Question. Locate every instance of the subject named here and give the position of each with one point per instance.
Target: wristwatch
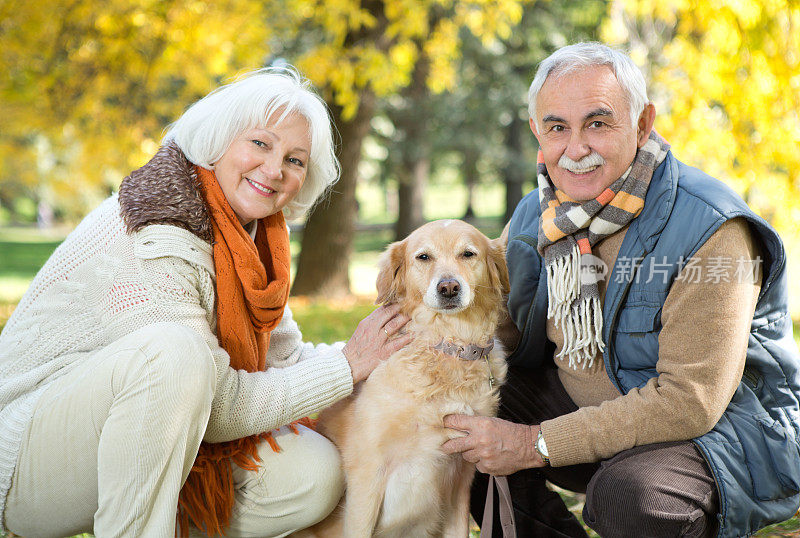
(541, 448)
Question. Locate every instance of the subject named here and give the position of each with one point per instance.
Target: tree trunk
(513, 174)
(322, 267)
(469, 169)
(410, 191)
(7, 202)
(416, 161)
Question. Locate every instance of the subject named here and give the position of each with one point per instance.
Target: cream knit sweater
(102, 284)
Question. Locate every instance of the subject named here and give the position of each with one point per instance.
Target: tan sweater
(702, 349)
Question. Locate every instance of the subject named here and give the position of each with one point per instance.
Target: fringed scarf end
(563, 283)
(582, 327)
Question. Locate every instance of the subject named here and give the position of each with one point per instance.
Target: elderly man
(654, 367)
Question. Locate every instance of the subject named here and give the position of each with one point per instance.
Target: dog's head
(445, 266)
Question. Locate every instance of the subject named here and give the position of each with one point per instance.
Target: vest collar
(658, 203)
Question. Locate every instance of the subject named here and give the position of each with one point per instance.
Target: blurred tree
(725, 78)
(480, 124)
(485, 118)
(412, 119)
(88, 86)
(543, 28)
(17, 175)
(358, 51)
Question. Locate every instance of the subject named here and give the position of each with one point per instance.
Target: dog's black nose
(448, 287)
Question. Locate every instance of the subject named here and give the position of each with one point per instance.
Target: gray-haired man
(653, 367)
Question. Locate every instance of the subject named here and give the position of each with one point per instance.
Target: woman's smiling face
(264, 168)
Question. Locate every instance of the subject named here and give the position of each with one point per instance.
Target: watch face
(541, 446)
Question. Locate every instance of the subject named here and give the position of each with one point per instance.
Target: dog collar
(472, 352)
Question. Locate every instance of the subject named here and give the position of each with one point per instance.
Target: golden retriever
(450, 280)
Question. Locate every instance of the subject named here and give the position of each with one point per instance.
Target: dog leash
(505, 507)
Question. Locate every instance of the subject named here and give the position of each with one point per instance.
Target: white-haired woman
(141, 370)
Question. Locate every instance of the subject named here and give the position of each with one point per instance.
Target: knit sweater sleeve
(245, 403)
(702, 351)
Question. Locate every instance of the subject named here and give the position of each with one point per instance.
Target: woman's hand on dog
(375, 339)
(494, 445)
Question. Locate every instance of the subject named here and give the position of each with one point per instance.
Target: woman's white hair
(206, 130)
(579, 55)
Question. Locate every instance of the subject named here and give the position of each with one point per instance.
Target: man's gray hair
(206, 130)
(572, 57)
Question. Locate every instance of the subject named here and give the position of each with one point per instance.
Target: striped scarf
(567, 232)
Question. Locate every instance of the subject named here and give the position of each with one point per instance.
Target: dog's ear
(498, 269)
(391, 275)
(503, 239)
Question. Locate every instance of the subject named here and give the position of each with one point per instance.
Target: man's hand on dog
(375, 339)
(494, 445)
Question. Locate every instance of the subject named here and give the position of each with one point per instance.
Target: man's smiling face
(584, 130)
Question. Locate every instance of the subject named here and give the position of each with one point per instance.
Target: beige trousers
(112, 441)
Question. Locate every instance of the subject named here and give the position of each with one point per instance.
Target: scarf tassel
(583, 332)
(208, 501)
(563, 283)
(580, 318)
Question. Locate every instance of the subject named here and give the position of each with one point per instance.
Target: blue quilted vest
(753, 450)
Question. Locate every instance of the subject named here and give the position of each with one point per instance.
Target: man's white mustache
(590, 161)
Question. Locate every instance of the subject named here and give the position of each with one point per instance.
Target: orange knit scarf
(252, 290)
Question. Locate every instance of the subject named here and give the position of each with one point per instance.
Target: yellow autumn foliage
(729, 88)
(359, 53)
(88, 86)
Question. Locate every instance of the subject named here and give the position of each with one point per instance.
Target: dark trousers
(658, 490)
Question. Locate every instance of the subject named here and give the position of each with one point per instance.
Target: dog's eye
(424, 257)
(468, 254)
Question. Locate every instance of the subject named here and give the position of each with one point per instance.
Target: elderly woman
(153, 350)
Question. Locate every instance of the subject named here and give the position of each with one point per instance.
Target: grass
(326, 321)
(23, 251)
